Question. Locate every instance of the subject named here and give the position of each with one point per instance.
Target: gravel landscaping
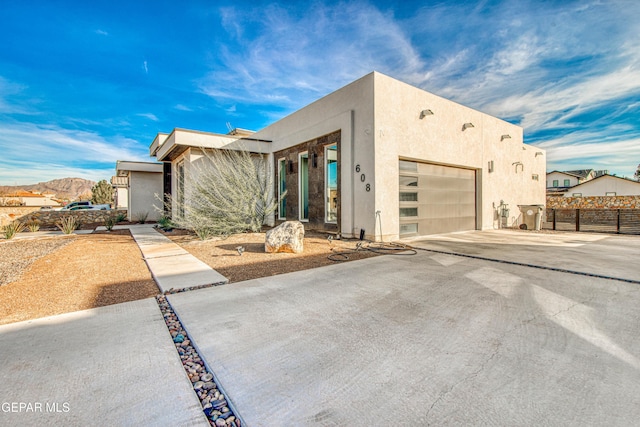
(214, 403)
(72, 273)
(16, 256)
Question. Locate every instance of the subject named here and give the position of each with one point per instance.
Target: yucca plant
(68, 224)
(121, 216)
(141, 217)
(33, 225)
(10, 230)
(110, 221)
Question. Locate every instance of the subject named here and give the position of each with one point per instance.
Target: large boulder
(287, 237)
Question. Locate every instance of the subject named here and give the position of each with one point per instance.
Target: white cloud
(57, 152)
(146, 67)
(149, 116)
(101, 32)
(292, 60)
(181, 107)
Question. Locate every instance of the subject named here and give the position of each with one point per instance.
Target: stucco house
(29, 198)
(382, 156)
(140, 184)
(605, 185)
(560, 181)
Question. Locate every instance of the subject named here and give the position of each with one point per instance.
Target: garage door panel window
(408, 181)
(438, 199)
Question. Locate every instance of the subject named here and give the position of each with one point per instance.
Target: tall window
(282, 187)
(331, 183)
(180, 187)
(303, 178)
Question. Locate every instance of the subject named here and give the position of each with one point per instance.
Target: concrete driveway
(432, 339)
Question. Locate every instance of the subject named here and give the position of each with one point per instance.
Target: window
(405, 212)
(408, 197)
(331, 183)
(409, 228)
(303, 185)
(567, 183)
(408, 166)
(180, 187)
(610, 193)
(555, 183)
(282, 187)
(408, 181)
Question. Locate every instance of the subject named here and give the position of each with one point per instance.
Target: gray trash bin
(531, 217)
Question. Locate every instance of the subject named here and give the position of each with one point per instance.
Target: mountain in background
(64, 188)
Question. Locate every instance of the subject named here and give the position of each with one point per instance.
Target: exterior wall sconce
(490, 166)
(467, 126)
(516, 164)
(505, 136)
(314, 160)
(425, 113)
(290, 166)
(539, 153)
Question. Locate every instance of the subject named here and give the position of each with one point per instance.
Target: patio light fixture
(425, 113)
(467, 126)
(505, 136)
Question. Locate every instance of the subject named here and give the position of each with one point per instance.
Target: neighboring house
(605, 185)
(28, 198)
(381, 156)
(144, 190)
(120, 186)
(559, 182)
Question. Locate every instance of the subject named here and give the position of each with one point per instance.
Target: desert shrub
(164, 222)
(110, 221)
(230, 191)
(33, 225)
(203, 233)
(121, 216)
(10, 230)
(141, 217)
(68, 224)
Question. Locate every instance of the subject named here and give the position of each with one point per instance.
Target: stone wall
(593, 202)
(316, 181)
(49, 218)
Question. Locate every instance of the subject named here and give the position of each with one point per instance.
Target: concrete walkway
(171, 266)
(110, 366)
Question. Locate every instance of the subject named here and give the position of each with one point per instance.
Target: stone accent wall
(316, 181)
(593, 202)
(9, 214)
(48, 219)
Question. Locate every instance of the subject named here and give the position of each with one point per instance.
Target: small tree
(637, 174)
(102, 193)
(229, 192)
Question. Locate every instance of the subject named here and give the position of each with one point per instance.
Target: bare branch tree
(224, 192)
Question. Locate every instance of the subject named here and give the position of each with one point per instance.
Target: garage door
(436, 199)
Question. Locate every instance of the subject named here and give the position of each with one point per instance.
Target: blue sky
(85, 83)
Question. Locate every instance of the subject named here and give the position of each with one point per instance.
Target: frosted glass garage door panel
(446, 197)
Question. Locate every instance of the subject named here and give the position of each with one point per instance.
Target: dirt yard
(222, 254)
(47, 276)
(88, 271)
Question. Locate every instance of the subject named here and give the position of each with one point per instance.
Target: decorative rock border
(214, 403)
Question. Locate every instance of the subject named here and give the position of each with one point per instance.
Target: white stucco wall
(122, 198)
(440, 138)
(606, 184)
(350, 110)
(143, 188)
